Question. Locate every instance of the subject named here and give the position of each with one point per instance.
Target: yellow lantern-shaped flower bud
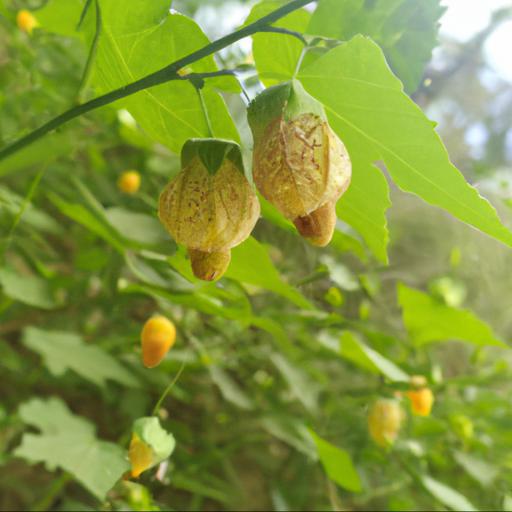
(299, 164)
(421, 397)
(129, 182)
(210, 206)
(384, 421)
(150, 445)
(26, 21)
(157, 337)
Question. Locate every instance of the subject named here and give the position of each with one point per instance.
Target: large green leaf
(405, 29)
(276, 55)
(429, 320)
(140, 37)
(28, 289)
(62, 351)
(337, 464)
(61, 16)
(68, 442)
(368, 109)
(364, 204)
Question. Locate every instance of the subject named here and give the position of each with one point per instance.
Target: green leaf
(68, 442)
(364, 204)
(83, 216)
(251, 264)
(481, 471)
(428, 320)
(276, 55)
(39, 220)
(301, 385)
(41, 152)
(30, 290)
(140, 37)
(63, 351)
(61, 16)
(446, 495)
(230, 390)
(337, 464)
(151, 432)
(369, 111)
(405, 29)
(292, 432)
(353, 349)
(138, 227)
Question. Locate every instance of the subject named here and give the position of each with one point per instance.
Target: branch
(161, 76)
(285, 31)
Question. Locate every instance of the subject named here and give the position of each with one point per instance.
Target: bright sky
(464, 18)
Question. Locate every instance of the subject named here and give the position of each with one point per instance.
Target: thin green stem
(84, 82)
(285, 31)
(205, 111)
(167, 390)
(24, 205)
(161, 76)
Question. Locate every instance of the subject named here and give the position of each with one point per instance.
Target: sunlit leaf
(429, 320)
(368, 109)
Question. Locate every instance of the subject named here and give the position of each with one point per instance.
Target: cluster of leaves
(283, 356)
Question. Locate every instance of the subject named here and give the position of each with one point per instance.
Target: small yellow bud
(129, 182)
(26, 21)
(157, 337)
(140, 455)
(421, 397)
(384, 422)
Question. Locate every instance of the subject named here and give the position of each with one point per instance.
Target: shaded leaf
(230, 390)
(337, 464)
(63, 351)
(68, 442)
(30, 290)
(446, 495)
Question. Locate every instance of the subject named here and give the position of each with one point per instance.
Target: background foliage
(284, 356)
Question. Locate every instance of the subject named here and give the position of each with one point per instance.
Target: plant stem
(167, 390)
(161, 76)
(205, 111)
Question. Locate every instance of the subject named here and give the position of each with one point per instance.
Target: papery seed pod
(26, 21)
(384, 421)
(129, 182)
(421, 397)
(299, 164)
(210, 206)
(157, 337)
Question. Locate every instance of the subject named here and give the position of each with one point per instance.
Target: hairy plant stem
(161, 76)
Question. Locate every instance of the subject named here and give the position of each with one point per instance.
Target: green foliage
(405, 30)
(361, 116)
(68, 442)
(169, 113)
